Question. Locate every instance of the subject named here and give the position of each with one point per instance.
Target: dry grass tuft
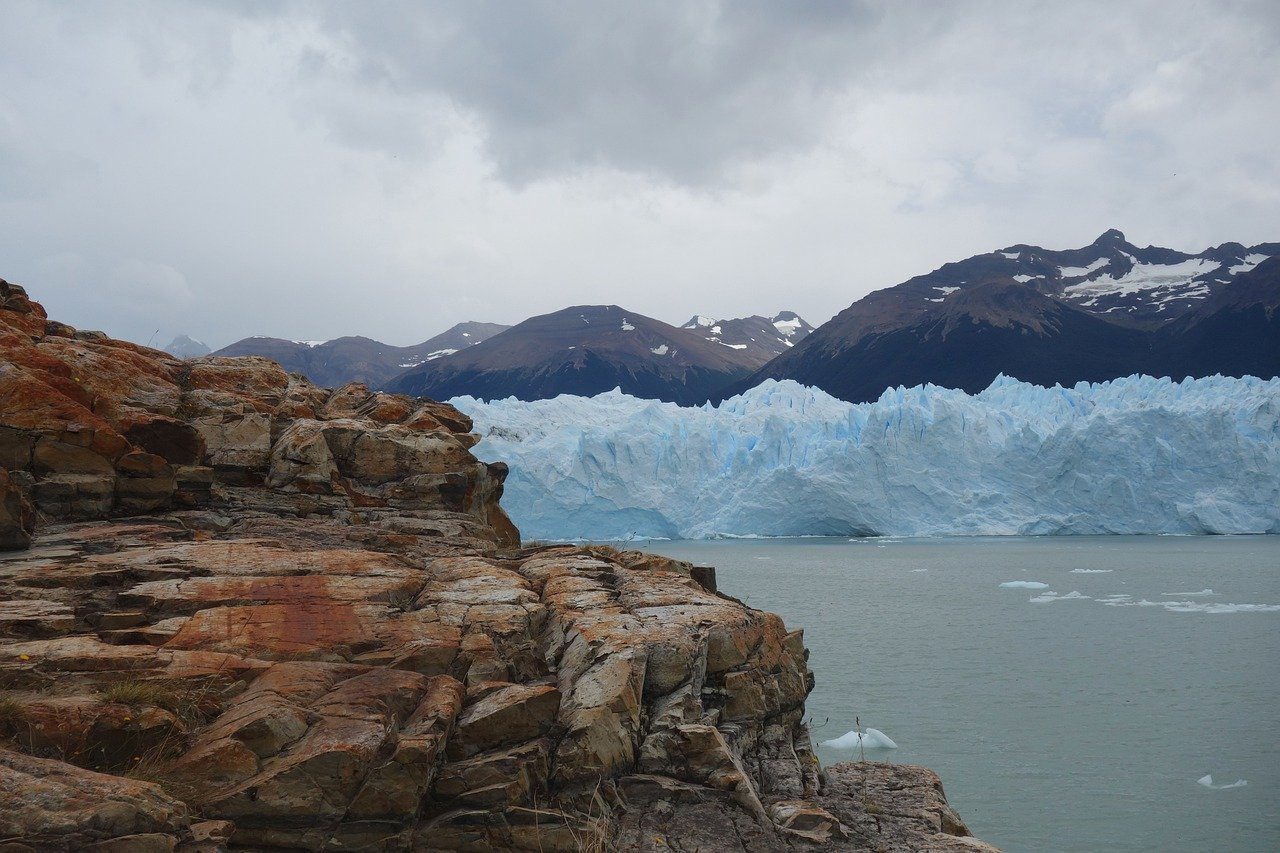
(192, 706)
(11, 714)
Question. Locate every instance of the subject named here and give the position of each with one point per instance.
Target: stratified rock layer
(257, 614)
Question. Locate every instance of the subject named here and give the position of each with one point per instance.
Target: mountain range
(1108, 309)
(1040, 315)
(359, 359)
(588, 349)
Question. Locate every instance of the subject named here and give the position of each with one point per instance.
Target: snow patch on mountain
(1076, 272)
(1134, 455)
(1249, 262)
(788, 327)
(1172, 277)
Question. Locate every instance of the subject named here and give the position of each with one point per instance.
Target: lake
(1057, 722)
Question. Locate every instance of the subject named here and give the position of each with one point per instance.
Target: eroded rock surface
(257, 614)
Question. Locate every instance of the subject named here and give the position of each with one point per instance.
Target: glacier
(1132, 455)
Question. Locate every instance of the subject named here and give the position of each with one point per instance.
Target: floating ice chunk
(1053, 596)
(1091, 571)
(870, 739)
(1215, 607)
(1202, 592)
(919, 570)
(1189, 606)
(1207, 781)
(1023, 585)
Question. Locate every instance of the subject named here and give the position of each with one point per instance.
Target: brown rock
(895, 807)
(55, 806)
(17, 515)
(51, 456)
(513, 714)
(175, 441)
(35, 618)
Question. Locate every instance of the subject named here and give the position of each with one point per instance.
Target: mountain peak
(184, 346)
(1110, 236)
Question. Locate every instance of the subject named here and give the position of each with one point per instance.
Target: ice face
(1134, 455)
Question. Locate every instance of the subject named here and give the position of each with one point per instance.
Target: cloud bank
(315, 169)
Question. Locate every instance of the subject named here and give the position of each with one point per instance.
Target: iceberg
(870, 739)
(1132, 455)
(1207, 781)
(1074, 595)
(1024, 585)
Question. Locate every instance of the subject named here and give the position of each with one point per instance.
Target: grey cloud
(310, 170)
(679, 90)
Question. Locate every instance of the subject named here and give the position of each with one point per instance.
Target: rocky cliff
(238, 611)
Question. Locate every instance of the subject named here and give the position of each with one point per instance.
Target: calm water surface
(1066, 724)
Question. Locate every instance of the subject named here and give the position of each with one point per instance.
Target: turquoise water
(1060, 725)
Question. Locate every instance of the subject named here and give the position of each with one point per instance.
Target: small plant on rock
(11, 714)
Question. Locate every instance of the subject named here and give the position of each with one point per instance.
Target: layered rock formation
(256, 614)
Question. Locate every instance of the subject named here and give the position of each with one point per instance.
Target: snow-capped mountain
(1144, 287)
(1090, 314)
(757, 338)
(186, 347)
(783, 459)
(359, 359)
(585, 349)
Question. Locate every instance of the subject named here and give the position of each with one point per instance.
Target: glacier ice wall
(1134, 455)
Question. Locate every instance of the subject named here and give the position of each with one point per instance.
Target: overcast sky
(309, 170)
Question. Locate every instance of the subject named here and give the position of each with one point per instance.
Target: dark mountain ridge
(585, 350)
(1105, 310)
